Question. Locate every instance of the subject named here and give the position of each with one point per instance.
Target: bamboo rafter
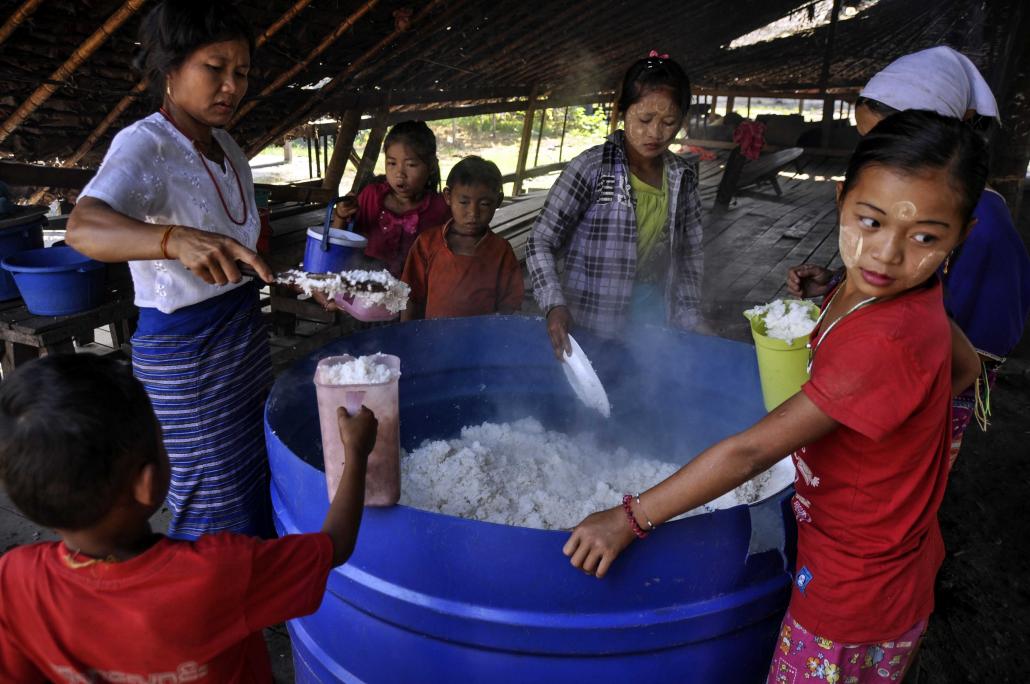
(141, 87)
(412, 45)
(352, 68)
(16, 19)
(81, 54)
(290, 73)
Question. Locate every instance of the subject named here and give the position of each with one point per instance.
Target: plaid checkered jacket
(589, 218)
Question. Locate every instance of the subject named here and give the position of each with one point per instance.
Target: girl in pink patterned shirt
(391, 212)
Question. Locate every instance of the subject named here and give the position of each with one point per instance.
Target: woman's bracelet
(164, 240)
(627, 505)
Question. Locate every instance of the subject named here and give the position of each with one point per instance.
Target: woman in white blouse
(174, 197)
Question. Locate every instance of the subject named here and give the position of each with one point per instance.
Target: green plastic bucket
(782, 367)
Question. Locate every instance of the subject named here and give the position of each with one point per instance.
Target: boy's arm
(602, 536)
(358, 433)
(965, 362)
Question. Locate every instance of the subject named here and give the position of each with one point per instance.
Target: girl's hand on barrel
(808, 280)
(345, 210)
(559, 321)
(357, 432)
(598, 540)
(212, 257)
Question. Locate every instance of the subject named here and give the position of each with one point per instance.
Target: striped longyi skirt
(207, 371)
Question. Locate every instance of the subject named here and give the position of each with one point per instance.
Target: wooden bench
(742, 174)
(26, 336)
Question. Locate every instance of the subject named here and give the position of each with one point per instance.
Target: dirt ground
(980, 631)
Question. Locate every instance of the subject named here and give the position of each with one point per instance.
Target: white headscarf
(939, 79)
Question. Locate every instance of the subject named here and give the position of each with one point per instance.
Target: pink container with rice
(350, 382)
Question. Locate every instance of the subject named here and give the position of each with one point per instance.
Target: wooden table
(26, 336)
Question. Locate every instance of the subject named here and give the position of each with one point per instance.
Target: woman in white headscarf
(987, 279)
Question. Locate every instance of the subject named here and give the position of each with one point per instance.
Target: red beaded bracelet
(627, 505)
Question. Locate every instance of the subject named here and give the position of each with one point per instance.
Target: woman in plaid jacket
(626, 217)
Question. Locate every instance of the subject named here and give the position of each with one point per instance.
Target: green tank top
(652, 211)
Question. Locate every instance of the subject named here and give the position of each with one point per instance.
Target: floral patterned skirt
(801, 657)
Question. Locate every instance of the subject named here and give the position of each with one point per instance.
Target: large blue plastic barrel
(433, 598)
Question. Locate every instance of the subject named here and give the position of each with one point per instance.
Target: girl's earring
(947, 262)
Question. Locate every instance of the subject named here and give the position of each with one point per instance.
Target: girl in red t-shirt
(869, 430)
(392, 212)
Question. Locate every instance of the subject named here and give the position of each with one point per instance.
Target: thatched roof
(455, 51)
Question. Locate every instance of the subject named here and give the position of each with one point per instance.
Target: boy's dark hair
(916, 140)
(654, 73)
(74, 430)
(175, 28)
(476, 171)
(420, 138)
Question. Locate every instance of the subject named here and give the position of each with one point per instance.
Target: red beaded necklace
(203, 161)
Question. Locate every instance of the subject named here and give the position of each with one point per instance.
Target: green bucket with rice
(782, 365)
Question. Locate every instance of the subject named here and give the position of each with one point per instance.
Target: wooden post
(1010, 146)
(373, 147)
(287, 150)
(350, 122)
(801, 106)
(63, 72)
(311, 168)
(730, 101)
(749, 108)
(290, 73)
(824, 76)
(15, 20)
(325, 150)
(527, 134)
(318, 151)
(564, 124)
(539, 135)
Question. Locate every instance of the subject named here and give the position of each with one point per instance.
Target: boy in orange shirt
(462, 268)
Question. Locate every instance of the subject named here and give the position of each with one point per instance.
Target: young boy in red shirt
(462, 268)
(81, 452)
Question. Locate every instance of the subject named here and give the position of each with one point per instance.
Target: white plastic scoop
(584, 381)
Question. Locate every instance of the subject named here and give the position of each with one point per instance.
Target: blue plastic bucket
(344, 246)
(16, 239)
(57, 281)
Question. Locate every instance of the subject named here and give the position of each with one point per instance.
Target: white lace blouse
(153, 173)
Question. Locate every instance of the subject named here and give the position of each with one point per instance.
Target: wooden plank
(296, 193)
(35, 175)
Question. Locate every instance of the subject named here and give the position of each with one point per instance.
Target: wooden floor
(749, 245)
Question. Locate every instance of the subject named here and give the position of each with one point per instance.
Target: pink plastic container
(383, 479)
(367, 313)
